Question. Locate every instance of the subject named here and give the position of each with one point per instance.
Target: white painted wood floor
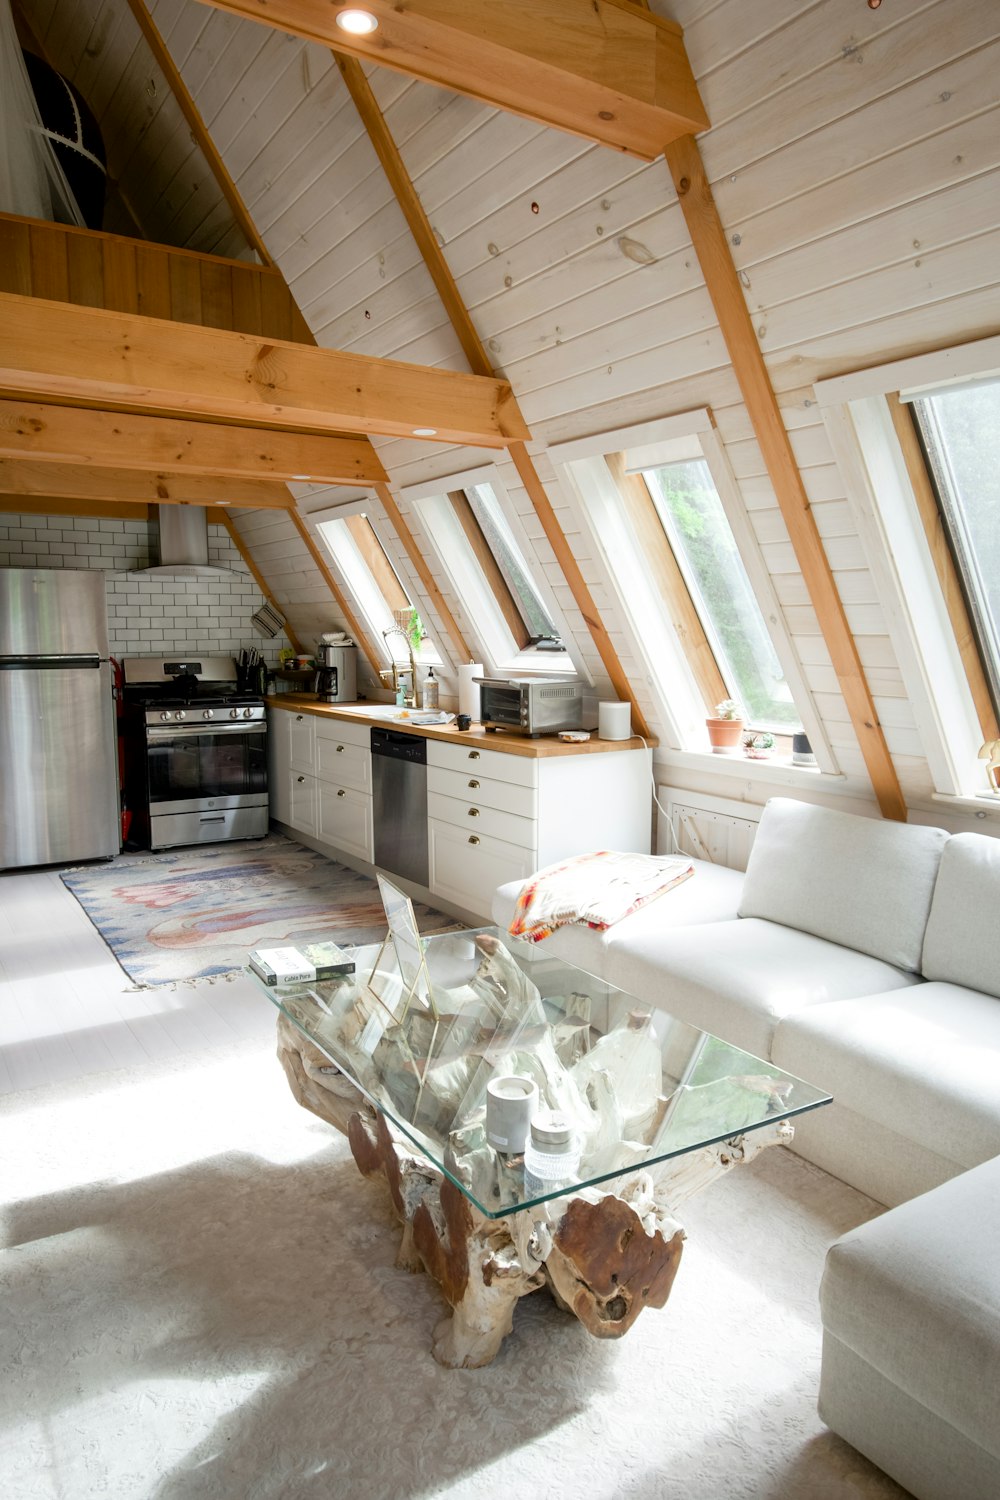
(67, 1009)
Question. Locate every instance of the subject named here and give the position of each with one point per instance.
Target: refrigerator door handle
(49, 663)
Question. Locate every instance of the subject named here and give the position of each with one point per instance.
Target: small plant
(758, 746)
(728, 709)
(411, 624)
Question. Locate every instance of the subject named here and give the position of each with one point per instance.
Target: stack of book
(309, 964)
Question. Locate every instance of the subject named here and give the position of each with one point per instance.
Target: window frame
(681, 704)
(485, 595)
(890, 490)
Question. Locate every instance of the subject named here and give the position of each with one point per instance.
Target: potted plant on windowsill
(725, 727)
(758, 746)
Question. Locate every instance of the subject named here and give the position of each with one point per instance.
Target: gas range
(196, 751)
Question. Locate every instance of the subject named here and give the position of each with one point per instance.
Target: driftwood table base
(603, 1255)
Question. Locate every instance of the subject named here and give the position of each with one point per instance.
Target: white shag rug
(198, 1299)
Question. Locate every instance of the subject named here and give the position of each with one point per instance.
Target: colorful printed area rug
(197, 913)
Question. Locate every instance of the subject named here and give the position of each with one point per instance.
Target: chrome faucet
(410, 696)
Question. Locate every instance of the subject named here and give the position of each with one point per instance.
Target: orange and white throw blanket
(593, 889)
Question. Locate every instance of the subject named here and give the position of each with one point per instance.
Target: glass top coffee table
(536, 1125)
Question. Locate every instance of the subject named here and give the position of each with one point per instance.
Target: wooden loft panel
(91, 269)
(601, 69)
(55, 351)
(71, 484)
(119, 440)
(118, 510)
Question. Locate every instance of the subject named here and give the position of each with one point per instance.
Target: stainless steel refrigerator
(58, 746)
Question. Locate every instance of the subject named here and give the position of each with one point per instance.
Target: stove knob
(234, 713)
(181, 714)
(166, 716)
(248, 713)
(208, 713)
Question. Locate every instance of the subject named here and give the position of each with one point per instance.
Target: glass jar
(551, 1154)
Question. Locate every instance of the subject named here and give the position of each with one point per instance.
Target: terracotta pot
(726, 735)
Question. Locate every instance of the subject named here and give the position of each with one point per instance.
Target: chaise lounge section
(864, 956)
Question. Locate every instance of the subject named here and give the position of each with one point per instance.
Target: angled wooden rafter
(198, 128)
(601, 69)
(69, 483)
(458, 314)
(712, 249)
(82, 436)
(54, 351)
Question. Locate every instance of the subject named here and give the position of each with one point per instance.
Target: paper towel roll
(468, 691)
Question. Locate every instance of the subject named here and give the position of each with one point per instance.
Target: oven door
(191, 769)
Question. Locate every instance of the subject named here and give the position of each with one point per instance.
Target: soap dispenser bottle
(429, 691)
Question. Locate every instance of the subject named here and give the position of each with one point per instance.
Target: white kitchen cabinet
(494, 817)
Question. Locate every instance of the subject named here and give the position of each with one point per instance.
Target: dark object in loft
(75, 134)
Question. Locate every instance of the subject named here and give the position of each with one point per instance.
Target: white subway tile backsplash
(147, 616)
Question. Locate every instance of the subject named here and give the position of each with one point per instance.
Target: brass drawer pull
(339, 749)
(474, 783)
(473, 812)
(473, 754)
(299, 718)
(473, 838)
(300, 779)
(341, 793)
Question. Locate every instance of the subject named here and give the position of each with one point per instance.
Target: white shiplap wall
(855, 159)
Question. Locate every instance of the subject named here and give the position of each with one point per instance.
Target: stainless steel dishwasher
(399, 807)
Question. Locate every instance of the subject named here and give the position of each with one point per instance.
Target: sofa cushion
(923, 1062)
(962, 941)
(737, 979)
(711, 895)
(862, 882)
(916, 1293)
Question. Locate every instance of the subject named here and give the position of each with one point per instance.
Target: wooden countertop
(510, 744)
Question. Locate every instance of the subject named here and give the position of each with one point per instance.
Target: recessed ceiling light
(425, 432)
(357, 22)
(302, 476)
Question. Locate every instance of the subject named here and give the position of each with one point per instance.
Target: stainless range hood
(179, 541)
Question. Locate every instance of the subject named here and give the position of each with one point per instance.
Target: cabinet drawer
(345, 819)
(302, 741)
(476, 817)
(475, 786)
(344, 732)
(302, 801)
(519, 769)
(467, 868)
(343, 763)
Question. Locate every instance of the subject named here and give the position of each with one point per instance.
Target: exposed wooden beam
(51, 505)
(601, 69)
(255, 572)
(462, 323)
(52, 350)
(712, 248)
(944, 566)
(358, 631)
(118, 440)
(116, 487)
(424, 573)
(198, 128)
(387, 151)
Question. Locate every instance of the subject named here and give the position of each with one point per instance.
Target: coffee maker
(337, 677)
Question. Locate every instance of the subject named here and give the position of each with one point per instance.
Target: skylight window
(355, 547)
(960, 429)
(499, 537)
(691, 513)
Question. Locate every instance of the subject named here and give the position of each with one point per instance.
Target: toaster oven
(531, 705)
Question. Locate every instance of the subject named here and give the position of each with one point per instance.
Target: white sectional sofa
(864, 956)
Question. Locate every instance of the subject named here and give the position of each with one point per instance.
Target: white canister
(510, 1103)
(614, 721)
